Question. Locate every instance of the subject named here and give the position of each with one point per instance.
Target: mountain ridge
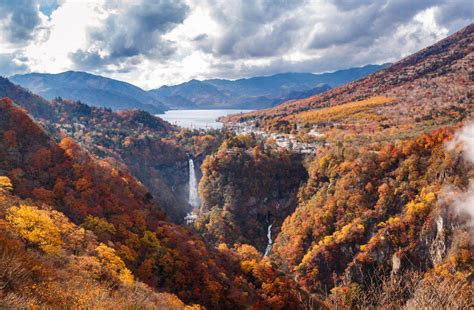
(254, 92)
(388, 159)
(93, 89)
(250, 93)
(433, 63)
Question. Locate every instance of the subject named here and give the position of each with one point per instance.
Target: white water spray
(193, 199)
(464, 202)
(270, 241)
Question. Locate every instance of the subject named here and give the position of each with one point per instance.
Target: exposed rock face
(438, 245)
(396, 263)
(430, 249)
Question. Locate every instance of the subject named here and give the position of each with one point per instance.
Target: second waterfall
(193, 199)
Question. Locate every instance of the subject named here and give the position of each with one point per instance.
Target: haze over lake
(194, 119)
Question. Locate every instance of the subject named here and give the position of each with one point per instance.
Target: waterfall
(193, 190)
(270, 241)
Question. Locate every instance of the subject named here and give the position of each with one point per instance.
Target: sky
(155, 42)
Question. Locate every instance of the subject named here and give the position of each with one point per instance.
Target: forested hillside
(154, 151)
(48, 261)
(360, 197)
(246, 186)
(425, 86)
(122, 213)
(377, 222)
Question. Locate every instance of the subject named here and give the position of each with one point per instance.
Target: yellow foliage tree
(194, 307)
(114, 264)
(343, 111)
(248, 252)
(98, 225)
(36, 227)
(5, 184)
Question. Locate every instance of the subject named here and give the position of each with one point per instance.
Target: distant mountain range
(256, 92)
(91, 89)
(252, 93)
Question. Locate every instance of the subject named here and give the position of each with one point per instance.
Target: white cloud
(167, 42)
(463, 202)
(68, 32)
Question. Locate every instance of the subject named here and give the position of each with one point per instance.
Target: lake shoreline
(199, 118)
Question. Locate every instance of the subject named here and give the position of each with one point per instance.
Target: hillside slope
(35, 239)
(91, 89)
(134, 138)
(111, 203)
(438, 77)
(382, 220)
(154, 152)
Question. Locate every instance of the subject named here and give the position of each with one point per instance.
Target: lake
(198, 119)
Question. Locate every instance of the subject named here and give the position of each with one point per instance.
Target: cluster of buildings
(285, 141)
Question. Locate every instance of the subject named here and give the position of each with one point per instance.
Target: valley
(344, 190)
(243, 94)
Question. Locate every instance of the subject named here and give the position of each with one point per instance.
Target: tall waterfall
(270, 241)
(193, 190)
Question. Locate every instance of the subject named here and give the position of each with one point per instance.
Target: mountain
(91, 89)
(381, 218)
(435, 78)
(252, 93)
(122, 135)
(320, 88)
(357, 198)
(255, 92)
(57, 199)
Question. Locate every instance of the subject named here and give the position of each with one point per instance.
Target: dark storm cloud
(12, 64)
(20, 19)
(136, 32)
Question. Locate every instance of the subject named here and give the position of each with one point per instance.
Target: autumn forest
(358, 197)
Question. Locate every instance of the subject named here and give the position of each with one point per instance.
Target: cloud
(455, 14)
(463, 202)
(349, 5)
(365, 23)
(87, 60)
(265, 28)
(19, 20)
(12, 64)
(151, 43)
(465, 140)
(265, 37)
(132, 31)
(252, 29)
